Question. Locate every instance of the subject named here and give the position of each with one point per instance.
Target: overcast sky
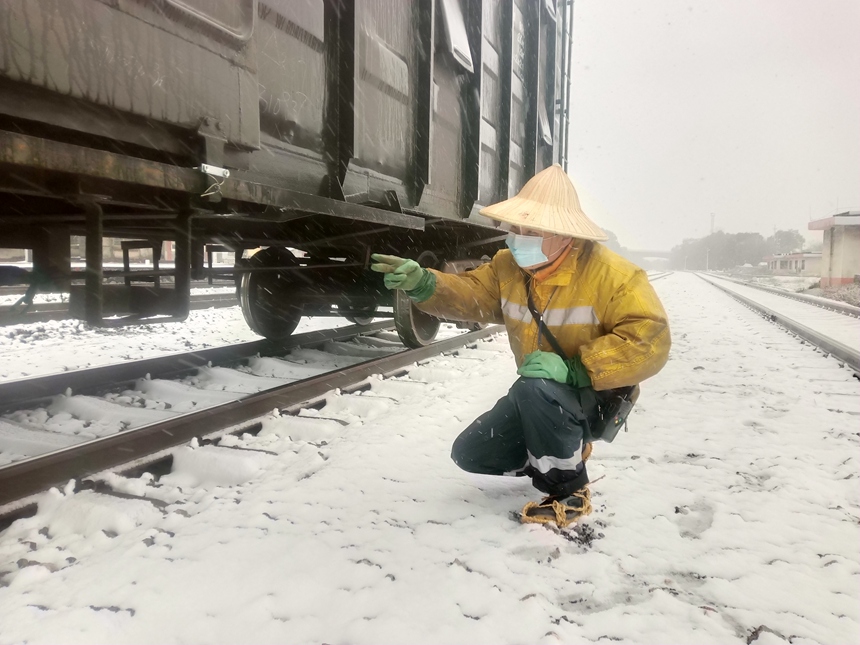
(748, 109)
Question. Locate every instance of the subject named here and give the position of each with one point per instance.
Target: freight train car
(317, 130)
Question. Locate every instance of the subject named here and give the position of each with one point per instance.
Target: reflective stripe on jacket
(597, 304)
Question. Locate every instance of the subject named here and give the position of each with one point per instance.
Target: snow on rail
(57, 346)
(728, 514)
(839, 327)
(826, 303)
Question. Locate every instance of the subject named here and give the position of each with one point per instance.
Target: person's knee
(460, 454)
(471, 453)
(530, 389)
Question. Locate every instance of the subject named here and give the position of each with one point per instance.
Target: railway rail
(659, 276)
(842, 351)
(32, 472)
(135, 447)
(824, 303)
(195, 284)
(48, 311)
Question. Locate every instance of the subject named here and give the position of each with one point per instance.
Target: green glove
(578, 375)
(544, 365)
(399, 273)
(552, 366)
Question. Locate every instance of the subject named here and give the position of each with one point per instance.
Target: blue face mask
(527, 249)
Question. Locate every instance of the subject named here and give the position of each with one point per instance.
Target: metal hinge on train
(214, 171)
(212, 134)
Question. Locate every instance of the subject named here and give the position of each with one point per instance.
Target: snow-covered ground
(839, 327)
(46, 298)
(62, 345)
(728, 514)
(793, 283)
(848, 293)
(71, 418)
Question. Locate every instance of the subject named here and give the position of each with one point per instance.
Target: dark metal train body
(337, 127)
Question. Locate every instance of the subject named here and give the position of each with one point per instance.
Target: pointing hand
(399, 272)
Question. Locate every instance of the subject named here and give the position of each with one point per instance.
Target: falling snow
(728, 514)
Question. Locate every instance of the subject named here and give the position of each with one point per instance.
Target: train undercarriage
(306, 256)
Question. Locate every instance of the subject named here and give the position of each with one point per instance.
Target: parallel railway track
(195, 284)
(839, 350)
(47, 311)
(22, 480)
(824, 303)
(658, 276)
(28, 474)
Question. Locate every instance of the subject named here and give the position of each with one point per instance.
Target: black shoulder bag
(613, 406)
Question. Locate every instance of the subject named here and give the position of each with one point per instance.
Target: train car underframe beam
(94, 270)
(133, 303)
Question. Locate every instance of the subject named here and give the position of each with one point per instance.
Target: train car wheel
(267, 298)
(415, 328)
(364, 318)
(473, 326)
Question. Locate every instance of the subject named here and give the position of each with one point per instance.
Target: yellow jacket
(597, 304)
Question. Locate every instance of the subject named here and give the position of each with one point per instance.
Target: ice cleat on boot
(586, 451)
(561, 510)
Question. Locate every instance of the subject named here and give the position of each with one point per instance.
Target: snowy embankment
(836, 326)
(728, 514)
(793, 283)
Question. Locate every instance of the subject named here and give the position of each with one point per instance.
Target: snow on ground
(728, 514)
(837, 326)
(793, 283)
(62, 345)
(848, 293)
(45, 298)
(72, 418)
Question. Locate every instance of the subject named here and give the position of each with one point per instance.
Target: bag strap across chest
(543, 330)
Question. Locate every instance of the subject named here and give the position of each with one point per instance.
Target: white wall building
(841, 250)
(808, 264)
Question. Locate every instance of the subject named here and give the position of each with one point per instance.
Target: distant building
(808, 264)
(841, 250)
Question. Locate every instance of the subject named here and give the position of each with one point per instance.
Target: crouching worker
(582, 323)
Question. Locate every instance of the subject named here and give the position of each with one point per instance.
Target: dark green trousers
(538, 429)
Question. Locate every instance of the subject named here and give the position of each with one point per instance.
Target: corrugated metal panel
(292, 71)
(384, 119)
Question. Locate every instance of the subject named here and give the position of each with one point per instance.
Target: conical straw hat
(548, 202)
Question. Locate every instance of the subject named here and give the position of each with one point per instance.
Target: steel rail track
(97, 380)
(195, 284)
(824, 303)
(21, 480)
(847, 355)
(48, 311)
(659, 276)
